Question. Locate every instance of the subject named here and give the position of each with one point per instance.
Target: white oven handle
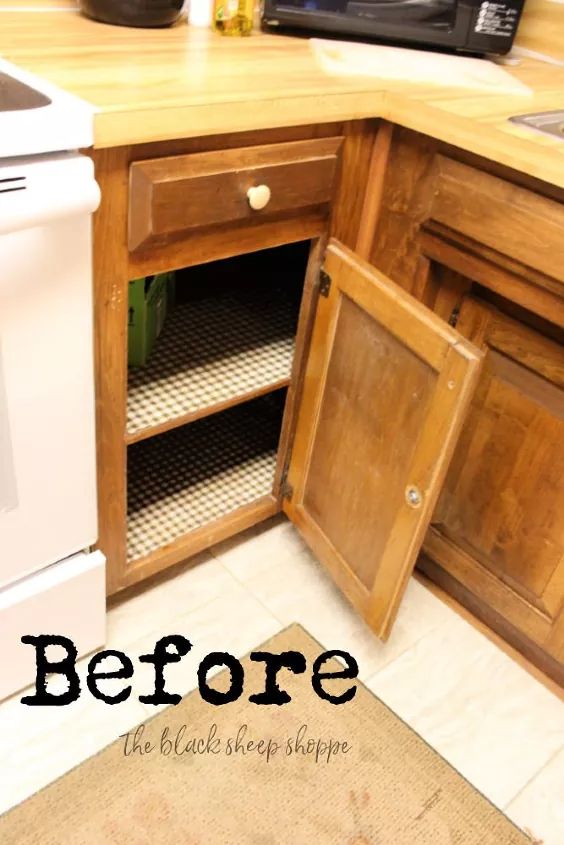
(35, 191)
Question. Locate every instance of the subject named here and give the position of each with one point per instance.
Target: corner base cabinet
(288, 375)
(324, 357)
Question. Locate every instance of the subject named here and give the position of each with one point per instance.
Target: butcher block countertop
(154, 85)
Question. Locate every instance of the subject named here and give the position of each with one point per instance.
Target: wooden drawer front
(182, 193)
(512, 220)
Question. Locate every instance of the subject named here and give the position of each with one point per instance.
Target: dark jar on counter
(142, 13)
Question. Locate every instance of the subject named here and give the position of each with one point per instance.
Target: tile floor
(483, 712)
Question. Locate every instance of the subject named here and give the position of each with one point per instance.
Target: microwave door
(435, 14)
(450, 24)
(428, 22)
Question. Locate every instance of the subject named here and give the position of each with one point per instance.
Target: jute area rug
(388, 788)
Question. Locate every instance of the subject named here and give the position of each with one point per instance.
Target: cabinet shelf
(196, 474)
(213, 353)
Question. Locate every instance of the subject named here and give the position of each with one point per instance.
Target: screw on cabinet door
(413, 497)
(258, 197)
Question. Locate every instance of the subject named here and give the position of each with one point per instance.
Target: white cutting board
(344, 58)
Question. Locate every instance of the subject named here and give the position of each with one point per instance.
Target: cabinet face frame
(122, 573)
(246, 516)
(432, 357)
(114, 265)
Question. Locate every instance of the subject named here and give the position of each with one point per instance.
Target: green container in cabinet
(148, 300)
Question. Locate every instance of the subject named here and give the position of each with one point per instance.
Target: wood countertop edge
(518, 153)
(129, 127)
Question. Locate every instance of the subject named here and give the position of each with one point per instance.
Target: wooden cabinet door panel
(503, 498)
(386, 387)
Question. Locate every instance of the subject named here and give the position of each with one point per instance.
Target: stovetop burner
(17, 96)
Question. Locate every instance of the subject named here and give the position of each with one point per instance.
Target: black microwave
(474, 26)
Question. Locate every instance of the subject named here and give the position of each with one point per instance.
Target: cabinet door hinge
(286, 489)
(453, 319)
(324, 283)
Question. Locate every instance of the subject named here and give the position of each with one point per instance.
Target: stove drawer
(175, 196)
(67, 599)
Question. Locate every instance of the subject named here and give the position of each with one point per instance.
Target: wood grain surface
(542, 28)
(512, 220)
(151, 85)
(178, 193)
(497, 527)
(483, 221)
(386, 387)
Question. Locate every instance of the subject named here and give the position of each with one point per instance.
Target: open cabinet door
(386, 388)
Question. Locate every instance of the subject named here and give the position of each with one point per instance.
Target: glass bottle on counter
(233, 17)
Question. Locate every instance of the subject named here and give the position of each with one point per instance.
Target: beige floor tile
(539, 807)
(298, 589)
(482, 711)
(259, 549)
(155, 607)
(234, 622)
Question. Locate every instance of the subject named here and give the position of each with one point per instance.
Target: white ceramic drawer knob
(258, 197)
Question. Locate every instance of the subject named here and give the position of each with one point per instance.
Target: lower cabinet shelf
(228, 338)
(207, 469)
(213, 352)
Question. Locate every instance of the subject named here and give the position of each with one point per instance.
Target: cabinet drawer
(512, 220)
(180, 194)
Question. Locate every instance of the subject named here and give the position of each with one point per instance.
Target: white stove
(50, 580)
(41, 119)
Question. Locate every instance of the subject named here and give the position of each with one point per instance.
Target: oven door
(433, 22)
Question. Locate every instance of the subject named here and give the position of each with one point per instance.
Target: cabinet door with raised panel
(386, 387)
(498, 528)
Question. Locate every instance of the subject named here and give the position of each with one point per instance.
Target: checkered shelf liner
(211, 351)
(190, 476)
